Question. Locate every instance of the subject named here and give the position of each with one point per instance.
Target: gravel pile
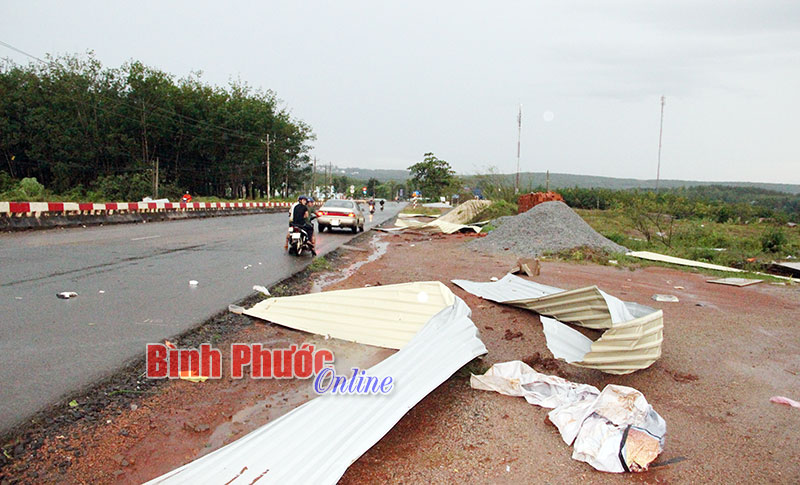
(547, 227)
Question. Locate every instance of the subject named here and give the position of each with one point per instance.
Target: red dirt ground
(726, 351)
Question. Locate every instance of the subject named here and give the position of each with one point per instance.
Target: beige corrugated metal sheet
(465, 212)
(316, 442)
(627, 347)
(633, 339)
(584, 306)
(384, 316)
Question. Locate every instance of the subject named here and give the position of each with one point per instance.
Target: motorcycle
(298, 241)
(381, 205)
(372, 208)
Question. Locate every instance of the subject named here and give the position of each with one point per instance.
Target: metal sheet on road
(51, 347)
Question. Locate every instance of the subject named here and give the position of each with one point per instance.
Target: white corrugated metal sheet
(384, 316)
(508, 288)
(633, 339)
(316, 442)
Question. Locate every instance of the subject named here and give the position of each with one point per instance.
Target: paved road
(49, 346)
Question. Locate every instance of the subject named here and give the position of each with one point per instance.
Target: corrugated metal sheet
(683, 262)
(584, 306)
(627, 347)
(508, 288)
(633, 339)
(465, 212)
(316, 442)
(384, 316)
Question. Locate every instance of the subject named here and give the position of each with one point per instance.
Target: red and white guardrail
(23, 208)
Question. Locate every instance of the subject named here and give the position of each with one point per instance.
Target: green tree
(432, 176)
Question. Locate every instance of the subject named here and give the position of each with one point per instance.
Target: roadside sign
(352, 189)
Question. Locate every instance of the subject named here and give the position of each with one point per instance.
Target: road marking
(145, 237)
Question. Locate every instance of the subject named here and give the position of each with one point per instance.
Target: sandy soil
(726, 351)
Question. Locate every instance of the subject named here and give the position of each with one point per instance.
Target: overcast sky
(382, 83)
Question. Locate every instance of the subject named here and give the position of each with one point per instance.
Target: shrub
(773, 240)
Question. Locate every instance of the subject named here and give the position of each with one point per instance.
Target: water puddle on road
(378, 247)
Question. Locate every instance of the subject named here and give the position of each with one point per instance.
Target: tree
(431, 176)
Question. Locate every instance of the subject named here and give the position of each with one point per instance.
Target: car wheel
(321, 229)
(355, 228)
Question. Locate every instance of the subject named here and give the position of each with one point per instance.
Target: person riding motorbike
(382, 202)
(371, 206)
(301, 217)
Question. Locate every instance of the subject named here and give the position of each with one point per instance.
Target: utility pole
(547, 186)
(155, 180)
(266, 143)
(519, 136)
(314, 177)
(660, 132)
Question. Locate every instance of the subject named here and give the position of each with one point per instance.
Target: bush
(27, 189)
(773, 240)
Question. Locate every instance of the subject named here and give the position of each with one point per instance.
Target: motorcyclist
(301, 217)
(371, 205)
(382, 202)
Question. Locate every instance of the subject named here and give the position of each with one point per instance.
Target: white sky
(382, 83)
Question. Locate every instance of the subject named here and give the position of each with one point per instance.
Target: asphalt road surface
(133, 288)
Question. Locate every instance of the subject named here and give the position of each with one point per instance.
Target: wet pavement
(132, 282)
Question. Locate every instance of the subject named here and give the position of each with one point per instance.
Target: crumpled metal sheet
(632, 339)
(615, 430)
(317, 442)
(465, 212)
(385, 316)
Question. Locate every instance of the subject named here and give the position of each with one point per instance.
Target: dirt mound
(548, 227)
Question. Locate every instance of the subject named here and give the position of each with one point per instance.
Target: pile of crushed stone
(547, 227)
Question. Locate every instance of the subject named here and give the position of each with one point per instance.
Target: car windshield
(333, 204)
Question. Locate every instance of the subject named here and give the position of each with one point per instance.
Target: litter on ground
(785, 400)
(291, 450)
(66, 295)
(633, 333)
(529, 266)
(665, 298)
(615, 430)
(385, 316)
(736, 281)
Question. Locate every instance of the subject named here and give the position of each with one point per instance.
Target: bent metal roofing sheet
(316, 442)
(384, 316)
(633, 339)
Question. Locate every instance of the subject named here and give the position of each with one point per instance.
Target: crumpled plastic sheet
(615, 430)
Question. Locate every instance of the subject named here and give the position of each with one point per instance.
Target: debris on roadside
(261, 289)
(665, 298)
(385, 316)
(193, 283)
(785, 400)
(346, 426)
(736, 281)
(632, 336)
(191, 376)
(66, 295)
(614, 431)
(529, 266)
(235, 309)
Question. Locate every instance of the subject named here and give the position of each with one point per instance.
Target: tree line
(94, 132)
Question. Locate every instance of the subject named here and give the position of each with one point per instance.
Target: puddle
(378, 248)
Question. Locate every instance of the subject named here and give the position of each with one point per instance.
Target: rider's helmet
(302, 197)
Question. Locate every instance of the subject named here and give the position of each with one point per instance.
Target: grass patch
(743, 246)
(428, 211)
(319, 264)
